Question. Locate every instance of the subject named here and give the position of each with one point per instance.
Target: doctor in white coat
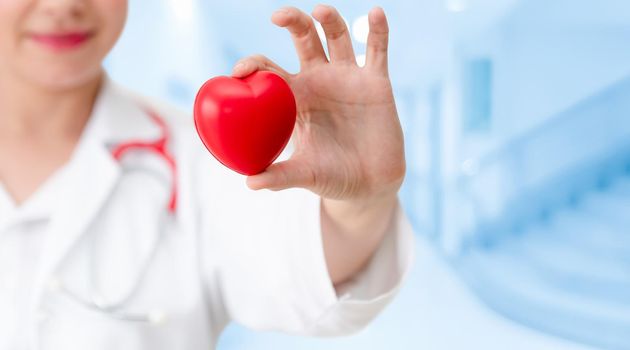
(118, 230)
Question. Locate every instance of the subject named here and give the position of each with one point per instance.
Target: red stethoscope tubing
(159, 147)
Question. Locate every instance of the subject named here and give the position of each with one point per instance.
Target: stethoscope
(96, 302)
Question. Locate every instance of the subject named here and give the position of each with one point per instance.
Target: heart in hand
(245, 123)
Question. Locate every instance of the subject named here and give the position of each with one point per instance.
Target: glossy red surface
(245, 122)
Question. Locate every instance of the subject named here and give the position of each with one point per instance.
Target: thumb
(282, 175)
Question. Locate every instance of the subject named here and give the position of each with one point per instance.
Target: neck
(28, 110)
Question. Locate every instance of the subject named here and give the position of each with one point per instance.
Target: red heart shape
(245, 122)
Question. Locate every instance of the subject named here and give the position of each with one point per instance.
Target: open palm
(348, 140)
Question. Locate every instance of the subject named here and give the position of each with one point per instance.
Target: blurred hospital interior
(516, 116)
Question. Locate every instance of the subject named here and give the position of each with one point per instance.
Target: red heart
(245, 123)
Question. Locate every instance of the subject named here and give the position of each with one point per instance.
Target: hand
(348, 139)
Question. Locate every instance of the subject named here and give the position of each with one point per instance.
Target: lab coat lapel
(94, 173)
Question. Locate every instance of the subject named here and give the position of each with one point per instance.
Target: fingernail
(283, 10)
(239, 66)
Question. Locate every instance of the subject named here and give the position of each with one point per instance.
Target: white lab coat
(231, 254)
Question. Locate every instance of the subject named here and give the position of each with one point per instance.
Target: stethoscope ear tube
(159, 147)
(96, 302)
(114, 309)
(154, 316)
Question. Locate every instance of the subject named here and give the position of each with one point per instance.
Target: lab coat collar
(117, 116)
(37, 208)
(120, 116)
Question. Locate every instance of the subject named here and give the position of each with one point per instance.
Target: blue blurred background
(517, 122)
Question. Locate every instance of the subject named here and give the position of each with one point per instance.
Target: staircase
(566, 273)
(548, 242)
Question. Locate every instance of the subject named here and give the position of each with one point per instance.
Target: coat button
(54, 284)
(42, 316)
(156, 317)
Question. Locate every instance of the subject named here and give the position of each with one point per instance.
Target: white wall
(166, 53)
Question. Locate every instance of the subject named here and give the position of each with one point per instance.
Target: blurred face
(58, 44)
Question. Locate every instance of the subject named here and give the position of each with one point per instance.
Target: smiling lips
(62, 41)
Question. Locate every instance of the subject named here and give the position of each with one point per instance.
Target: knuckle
(302, 26)
(310, 178)
(336, 33)
(378, 45)
(303, 31)
(292, 10)
(259, 58)
(286, 181)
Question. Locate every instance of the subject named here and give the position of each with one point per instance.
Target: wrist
(355, 216)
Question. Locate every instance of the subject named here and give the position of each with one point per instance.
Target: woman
(94, 256)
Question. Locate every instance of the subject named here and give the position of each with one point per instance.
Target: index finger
(300, 25)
